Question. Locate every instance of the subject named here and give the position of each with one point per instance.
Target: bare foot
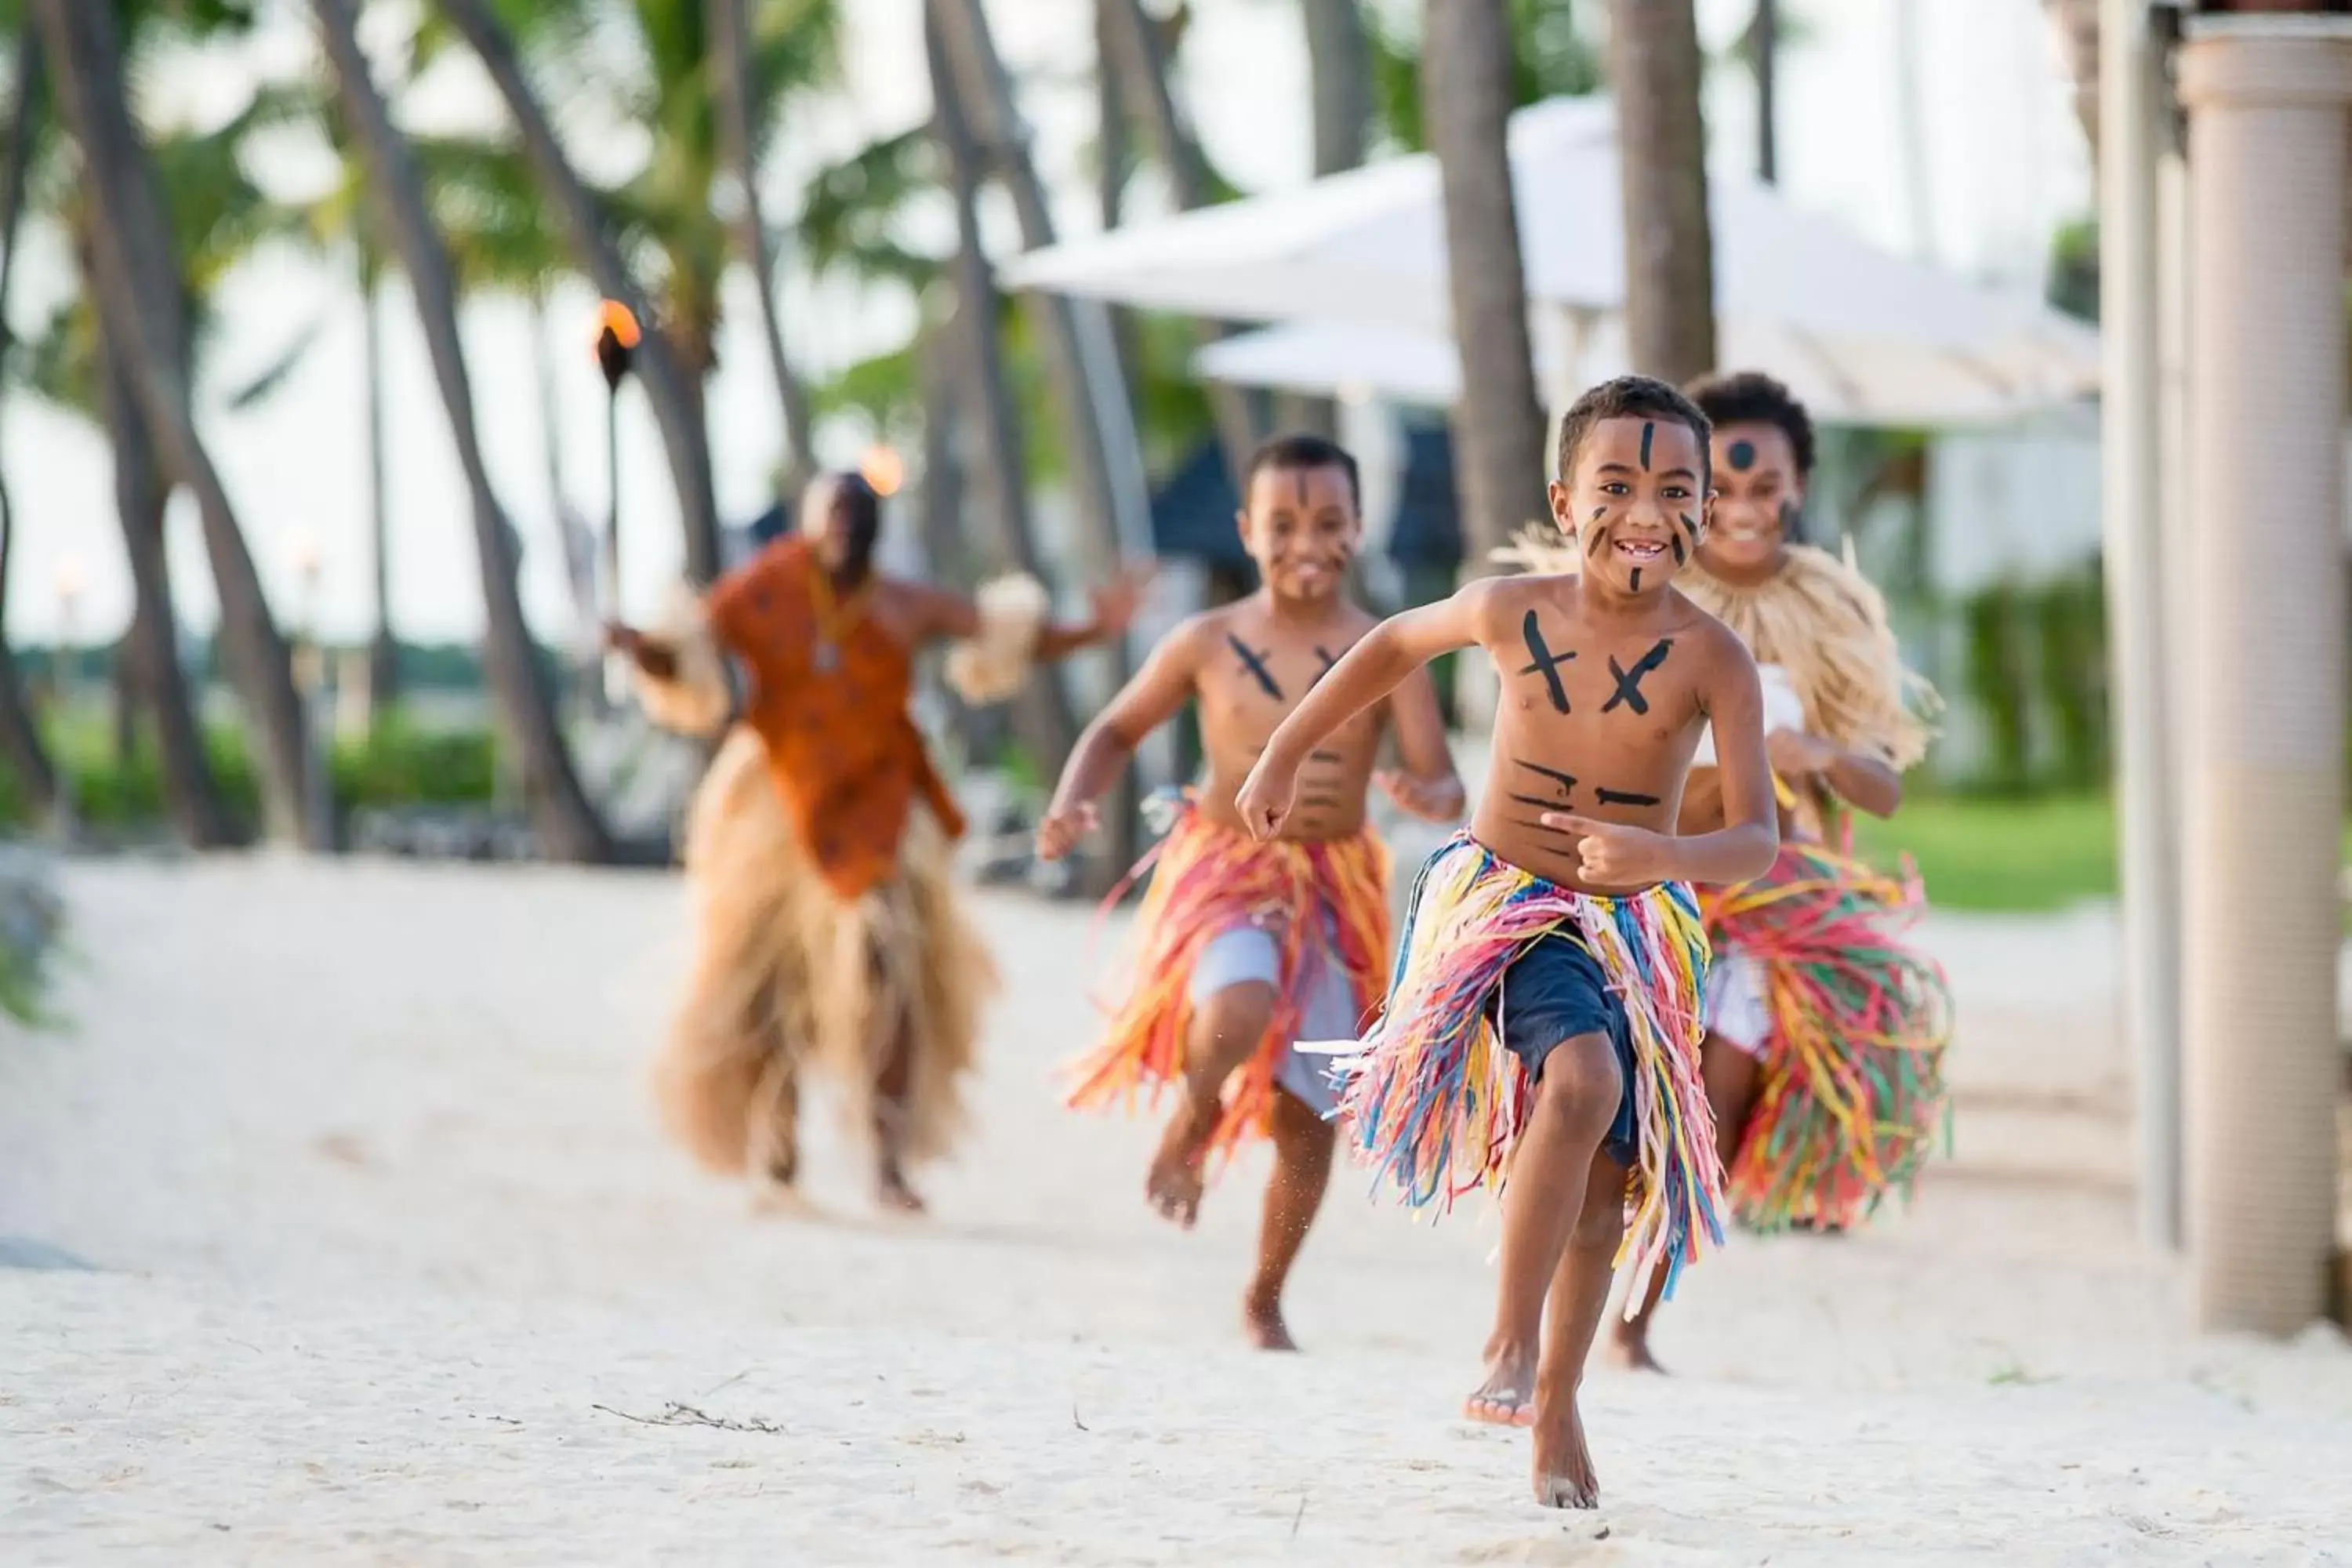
(1629, 1347)
(1564, 1476)
(891, 1191)
(1174, 1182)
(1262, 1320)
(1507, 1396)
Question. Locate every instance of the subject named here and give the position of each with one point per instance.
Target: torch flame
(884, 469)
(613, 317)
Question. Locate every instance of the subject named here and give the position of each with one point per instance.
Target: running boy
(1247, 946)
(1544, 1012)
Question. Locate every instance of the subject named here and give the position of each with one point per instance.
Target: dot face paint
(1742, 456)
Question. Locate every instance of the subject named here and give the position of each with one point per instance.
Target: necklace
(831, 617)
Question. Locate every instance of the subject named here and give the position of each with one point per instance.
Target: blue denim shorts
(1554, 991)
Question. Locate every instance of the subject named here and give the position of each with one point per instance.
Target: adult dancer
(818, 846)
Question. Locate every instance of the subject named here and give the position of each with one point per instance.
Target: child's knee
(1602, 1225)
(1235, 1017)
(1298, 1125)
(1581, 1080)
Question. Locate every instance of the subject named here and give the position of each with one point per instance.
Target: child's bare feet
(1175, 1181)
(1629, 1347)
(1564, 1476)
(1262, 1320)
(1507, 1396)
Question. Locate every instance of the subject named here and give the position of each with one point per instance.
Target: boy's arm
(1376, 666)
(1427, 785)
(1619, 855)
(1147, 702)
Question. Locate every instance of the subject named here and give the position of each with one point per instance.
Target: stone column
(2267, 98)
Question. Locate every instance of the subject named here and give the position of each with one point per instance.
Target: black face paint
(1546, 661)
(1596, 543)
(1637, 579)
(1566, 782)
(1624, 797)
(1682, 553)
(1742, 456)
(1648, 430)
(1792, 522)
(1629, 681)
(1327, 663)
(1256, 664)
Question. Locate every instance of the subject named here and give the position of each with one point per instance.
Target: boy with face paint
(818, 844)
(1542, 1022)
(1245, 946)
(1826, 1029)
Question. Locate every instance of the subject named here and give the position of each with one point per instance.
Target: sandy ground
(342, 1234)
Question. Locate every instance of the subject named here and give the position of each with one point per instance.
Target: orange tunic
(832, 711)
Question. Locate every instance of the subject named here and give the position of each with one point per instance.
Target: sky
(1990, 121)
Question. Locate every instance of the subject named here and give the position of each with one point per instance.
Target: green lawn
(1982, 853)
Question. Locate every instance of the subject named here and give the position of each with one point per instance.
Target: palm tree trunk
(1042, 712)
(20, 737)
(1081, 356)
(1764, 50)
(1654, 63)
(1498, 426)
(559, 810)
(142, 292)
(671, 390)
(730, 45)
(1100, 429)
(1143, 63)
(384, 648)
(151, 651)
(1339, 82)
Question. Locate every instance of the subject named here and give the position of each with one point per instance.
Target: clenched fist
(1613, 855)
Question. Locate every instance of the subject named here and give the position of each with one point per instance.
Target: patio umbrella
(1878, 338)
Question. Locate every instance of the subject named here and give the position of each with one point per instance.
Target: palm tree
(139, 286)
(1655, 66)
(218, 216)
(672, 388)
(1763, 48)
(731, 69)
(1099, 426)
(1498, 422)
(1550, 57)
(976, 375)
(567, 824)
(1141, 64)
(1340, 72)
(20, 737)
(1081, 355)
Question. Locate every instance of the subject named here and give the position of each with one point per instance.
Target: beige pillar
(2267, 99)
(2130, 441)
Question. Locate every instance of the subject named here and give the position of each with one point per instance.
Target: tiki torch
(616, 344)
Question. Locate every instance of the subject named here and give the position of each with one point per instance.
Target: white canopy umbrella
(1876, 337)
(1855, 383)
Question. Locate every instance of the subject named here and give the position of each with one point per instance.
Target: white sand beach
(341, 1232)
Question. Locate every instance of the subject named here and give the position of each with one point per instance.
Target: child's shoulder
(1201, 628)
(1489, 598)
(1705, 634)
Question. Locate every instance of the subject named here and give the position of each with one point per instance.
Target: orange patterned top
(829, 689)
